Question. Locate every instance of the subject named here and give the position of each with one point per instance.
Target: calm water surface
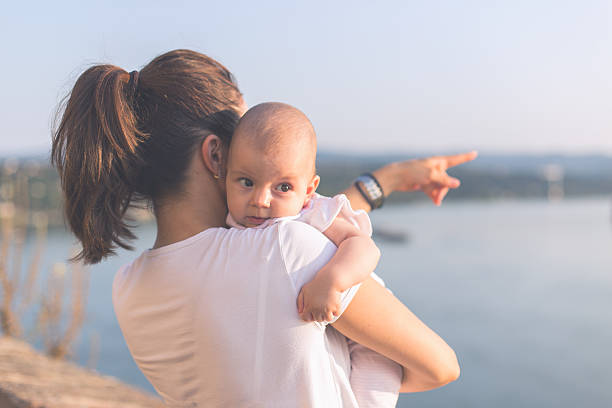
(521, 290)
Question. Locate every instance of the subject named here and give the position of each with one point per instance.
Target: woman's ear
(213, 153)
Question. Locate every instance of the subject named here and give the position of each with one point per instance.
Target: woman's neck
(187, 214)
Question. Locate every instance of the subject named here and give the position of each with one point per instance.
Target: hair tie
(133, 82)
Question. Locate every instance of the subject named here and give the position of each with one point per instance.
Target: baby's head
(271, 167)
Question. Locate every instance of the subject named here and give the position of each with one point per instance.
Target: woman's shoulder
(291, 245)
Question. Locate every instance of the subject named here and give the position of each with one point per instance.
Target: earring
(216, 176)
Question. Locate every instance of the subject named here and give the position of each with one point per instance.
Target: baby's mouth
(256, 220)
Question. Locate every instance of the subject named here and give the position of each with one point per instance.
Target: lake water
(521, 290)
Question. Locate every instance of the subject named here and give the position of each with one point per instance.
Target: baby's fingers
(317, 316)
(320, 315)
(300, 303)
(323, 315)
(307, 317)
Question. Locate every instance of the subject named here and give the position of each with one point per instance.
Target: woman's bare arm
(428, 175)
(378, 320)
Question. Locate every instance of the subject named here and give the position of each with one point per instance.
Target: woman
(204, 323)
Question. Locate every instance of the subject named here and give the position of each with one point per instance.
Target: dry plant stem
(53, 313)
(18, 239)
(8, 321)
(15, 217)
(32, 274)
(22, 205)
(57, 342)
(80, 283)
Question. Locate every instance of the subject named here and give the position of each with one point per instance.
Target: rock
(29, 379)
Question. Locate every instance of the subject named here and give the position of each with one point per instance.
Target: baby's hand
(318, 301)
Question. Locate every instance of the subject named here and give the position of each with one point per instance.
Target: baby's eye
(245, 182)
(284, 187)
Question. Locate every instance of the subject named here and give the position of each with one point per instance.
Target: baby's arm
(354, 261)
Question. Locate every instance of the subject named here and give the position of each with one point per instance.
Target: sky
(435, 76)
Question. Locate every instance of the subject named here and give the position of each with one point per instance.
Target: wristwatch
(371, 190)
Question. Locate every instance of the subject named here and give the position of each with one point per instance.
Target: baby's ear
(312, 186)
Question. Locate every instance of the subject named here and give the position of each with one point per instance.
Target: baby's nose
(261, 198)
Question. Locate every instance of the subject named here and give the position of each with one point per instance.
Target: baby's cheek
(233, 206)
(299, 205)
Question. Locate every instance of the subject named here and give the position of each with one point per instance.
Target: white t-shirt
(212, 320)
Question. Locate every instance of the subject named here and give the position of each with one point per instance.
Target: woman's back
(212, 320)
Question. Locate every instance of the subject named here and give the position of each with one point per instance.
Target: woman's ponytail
(96, 151)
(124, 136)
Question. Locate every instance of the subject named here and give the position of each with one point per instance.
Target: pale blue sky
(497, 76)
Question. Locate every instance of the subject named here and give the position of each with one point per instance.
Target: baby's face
(268, 184)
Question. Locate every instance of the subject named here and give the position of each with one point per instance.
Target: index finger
(456, 159)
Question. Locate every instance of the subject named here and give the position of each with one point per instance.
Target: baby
(271, 174)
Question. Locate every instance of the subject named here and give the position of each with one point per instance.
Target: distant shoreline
(488, 178)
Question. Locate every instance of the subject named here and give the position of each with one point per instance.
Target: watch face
(370, 189)
(374, 190)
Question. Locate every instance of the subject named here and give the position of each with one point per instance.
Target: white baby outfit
(375, 379)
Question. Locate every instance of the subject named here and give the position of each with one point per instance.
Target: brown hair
(124, 137)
